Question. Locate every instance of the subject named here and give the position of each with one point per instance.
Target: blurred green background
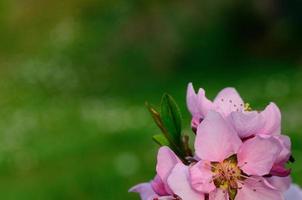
(74, 76)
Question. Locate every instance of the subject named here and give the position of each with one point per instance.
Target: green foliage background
(74, 76)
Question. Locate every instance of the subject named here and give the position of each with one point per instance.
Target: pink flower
(240, 154)
(229, 167)
(171, 181)
(245, 122)
(231, 106)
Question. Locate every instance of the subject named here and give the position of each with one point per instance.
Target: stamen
(243, 176)
(212, 166)
(237, 187)
(240, 182)
(214, 178)
(247, 107)
(251, 178)
(225, 174)
(243, 165)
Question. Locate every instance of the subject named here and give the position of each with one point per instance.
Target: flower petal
(166, 160)
(255, 188)
(280, 183)
(257, 155)
(179, 183)
(272, 120)
(165, 198)
(218, 194)
(279, 167)
(205, 104)
(216, 139)
(198, 104)
(202, 177)
(145, 190)
(280, 170)
(228, 100)
(192, 101)
(158, 186)
(195, 123)
(294, 193)
(285, 154)
(246, 123)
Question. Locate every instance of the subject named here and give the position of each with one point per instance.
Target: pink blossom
(231, 106)
(246, 122)
(229, 166)
(170, 183)
(240, 154)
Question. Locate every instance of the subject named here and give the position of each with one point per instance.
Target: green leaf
(171, 117)
(161, 140)
(170, 137)
(156, 117)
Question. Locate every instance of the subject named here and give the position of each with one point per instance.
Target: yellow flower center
(226, 174)
(247, 107)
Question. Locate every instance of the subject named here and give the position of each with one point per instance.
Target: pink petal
(197, 104)
(219, 194)
(180, 185)
(294, 193)
(192, 101)
(228, 100)
(165, 198)
(257, 155)
(166, 160)
(195, 123)
(279, 167)
(255, 188)
(246, 123)
(280, 170)
(205, 104)
(285, 154)
(145, 190)
(216, 140)
(272, 120)
(159, 186)
(202, 177)
(280, 183)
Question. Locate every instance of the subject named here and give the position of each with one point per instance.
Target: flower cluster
(240, 153)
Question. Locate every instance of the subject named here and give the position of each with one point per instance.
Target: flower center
(247, 107)
(226, 174)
